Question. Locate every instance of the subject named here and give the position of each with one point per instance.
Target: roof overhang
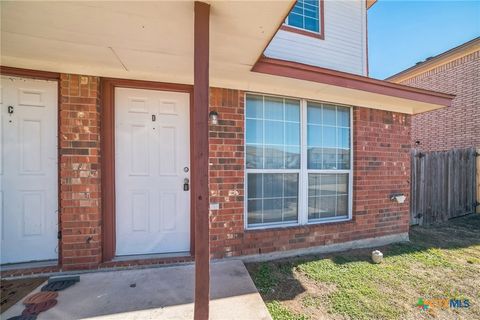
(417, 100)
(154, 41)
(370, 3)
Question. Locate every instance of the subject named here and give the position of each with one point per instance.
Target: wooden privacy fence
(443, 185)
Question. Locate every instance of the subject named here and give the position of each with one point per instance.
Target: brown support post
(200, 158)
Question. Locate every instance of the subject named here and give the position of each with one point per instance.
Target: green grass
(310, 301)
(439, 262)
(264, 279)
(356, 281)
(279, 312)
(473, 260)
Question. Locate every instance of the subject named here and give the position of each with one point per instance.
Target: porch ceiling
(150, 40)
(153, 40)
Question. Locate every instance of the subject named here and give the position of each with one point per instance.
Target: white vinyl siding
(343, 47)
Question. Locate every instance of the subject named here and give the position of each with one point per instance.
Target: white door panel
(29, 185)
(2, 218)
(151, 151)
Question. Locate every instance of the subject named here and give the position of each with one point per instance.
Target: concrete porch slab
(156, 293)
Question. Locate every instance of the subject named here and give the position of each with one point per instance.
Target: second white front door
(152, 168)
(28, 170)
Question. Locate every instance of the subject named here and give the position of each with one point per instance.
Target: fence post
(413, 187)
(478, 180)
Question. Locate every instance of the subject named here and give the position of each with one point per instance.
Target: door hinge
(59, 235)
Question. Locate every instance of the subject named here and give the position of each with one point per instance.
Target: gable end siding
(343, 47)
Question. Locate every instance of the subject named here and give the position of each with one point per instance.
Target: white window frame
(302, 216)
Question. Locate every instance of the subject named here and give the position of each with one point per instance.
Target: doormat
(40, 297)
(58, 285)
(35, 309)
(22, 317)
(13, 291)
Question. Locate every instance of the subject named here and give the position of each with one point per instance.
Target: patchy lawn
(442, 261)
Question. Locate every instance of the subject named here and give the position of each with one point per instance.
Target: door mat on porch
(13, 291)
(40, 297)
(36, 309)
(22, 317)
(58, 285)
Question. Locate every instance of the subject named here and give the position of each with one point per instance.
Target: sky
(402, 33)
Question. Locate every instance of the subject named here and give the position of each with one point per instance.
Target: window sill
(317, 35)
(325, 221)
(273, 226)
(279, 227)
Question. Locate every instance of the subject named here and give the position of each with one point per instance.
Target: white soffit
(136, 40)
(153, 40)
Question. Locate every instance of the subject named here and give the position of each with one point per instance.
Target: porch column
(200, 158)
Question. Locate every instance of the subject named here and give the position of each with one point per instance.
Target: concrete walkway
(156, 293)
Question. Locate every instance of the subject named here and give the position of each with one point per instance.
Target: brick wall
(226, 171)
(79, 133)
(456, 126)
(381, 167)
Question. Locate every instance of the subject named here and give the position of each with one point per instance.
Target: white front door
(28, 170)
(152, 161)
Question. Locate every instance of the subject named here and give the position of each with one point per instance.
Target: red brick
(80, 212)
(456, 126)
(381, 167)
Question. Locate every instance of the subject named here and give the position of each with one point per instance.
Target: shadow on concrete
(156, 293)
